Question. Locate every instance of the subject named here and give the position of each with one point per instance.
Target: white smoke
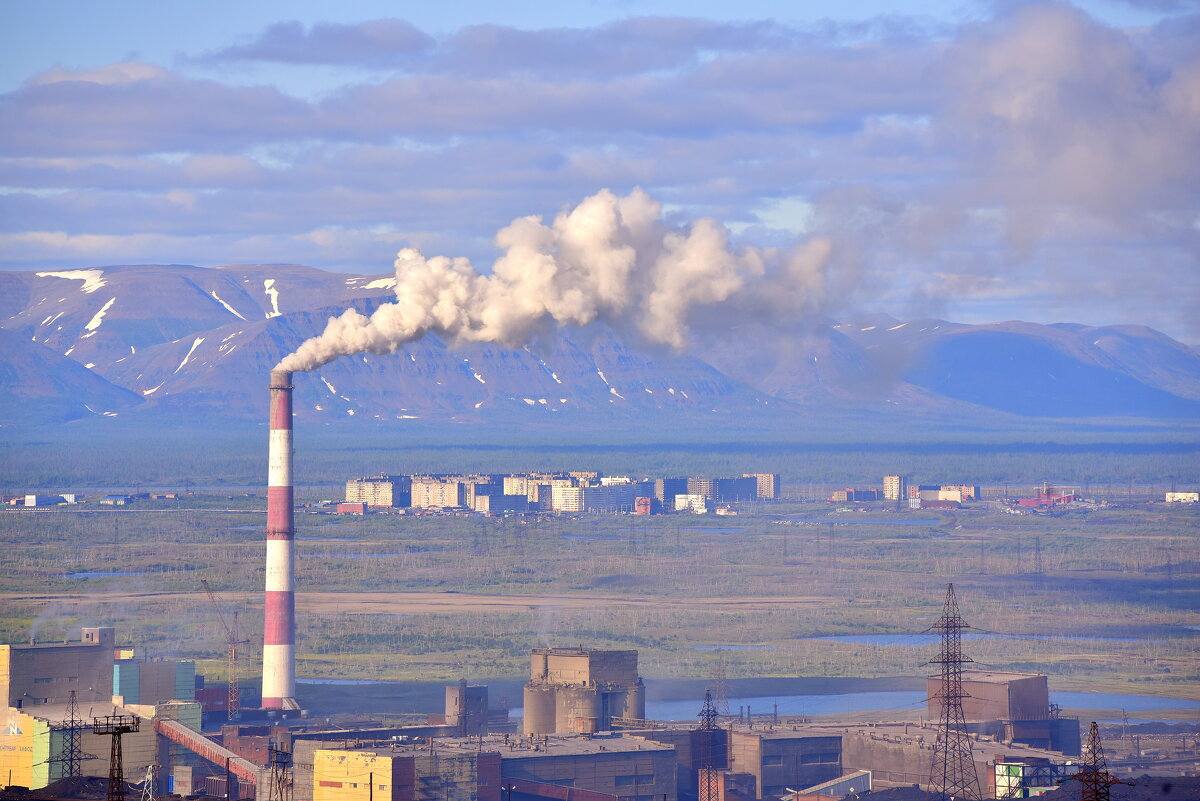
(611, 258)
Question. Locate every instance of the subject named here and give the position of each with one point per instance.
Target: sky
(975, 161)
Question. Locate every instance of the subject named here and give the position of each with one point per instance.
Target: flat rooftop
(516, 747)
(996, 676)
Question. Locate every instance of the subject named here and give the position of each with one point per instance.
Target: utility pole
(280, 763)
(953, 771)
(114, 726)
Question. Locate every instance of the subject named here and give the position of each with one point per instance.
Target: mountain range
(180, 342)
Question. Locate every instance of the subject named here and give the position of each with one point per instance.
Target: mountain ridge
(179, 340)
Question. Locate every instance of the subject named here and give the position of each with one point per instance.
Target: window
(772, 759)
(623, 781)
(42, 681)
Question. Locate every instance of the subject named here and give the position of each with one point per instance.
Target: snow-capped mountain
(173, 339)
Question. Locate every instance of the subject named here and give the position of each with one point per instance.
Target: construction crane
(232, 641)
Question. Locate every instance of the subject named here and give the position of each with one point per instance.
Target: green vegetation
(434, 598)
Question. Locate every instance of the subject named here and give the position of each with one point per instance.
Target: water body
(706, 530)
(97, 574)
(796, 704)
(731, 647)
(1130, 703)
(345, 682)
(924, 640)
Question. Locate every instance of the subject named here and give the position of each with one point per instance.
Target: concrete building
(779, 760)
(46, 673)
(467, 708)
(767, 485)
(609, 766)
(665, 490)
(1012, 707)
(566, 499)
(696, 504)
(438, 493)
(152, 681)
(501, 504)
(404, 774)
(894, 488)
(579, 690)
(36, 682)
(707, 487)
(389, 491)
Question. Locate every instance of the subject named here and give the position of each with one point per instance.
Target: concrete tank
(575, 703)
(635, 701)
(539, 710)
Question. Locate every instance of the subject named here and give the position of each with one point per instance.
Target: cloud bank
(1037, 164)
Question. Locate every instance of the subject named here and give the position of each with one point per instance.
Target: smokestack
(279, 625)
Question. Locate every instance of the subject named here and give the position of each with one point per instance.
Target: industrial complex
(99, 707)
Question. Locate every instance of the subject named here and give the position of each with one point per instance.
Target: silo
(539, 709)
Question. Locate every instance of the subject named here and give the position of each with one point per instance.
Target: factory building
(578, 690)
(779, 760)
(1183, 497)
(579, 768)
(766, 485)
(697, 504)
(390, 491)
(36, 681)
(852, 495)
(152, 681)
(1013, 707)
(894, 488)
(404, 774)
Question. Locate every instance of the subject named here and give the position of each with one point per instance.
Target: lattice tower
(953, 771)
(1093, 776)
(722, 686)
(71, 757)
(707, 780)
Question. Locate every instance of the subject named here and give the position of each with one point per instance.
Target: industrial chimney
(279, 625)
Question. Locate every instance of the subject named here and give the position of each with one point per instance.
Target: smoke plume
(609, 258)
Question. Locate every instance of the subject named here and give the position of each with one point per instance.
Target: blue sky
(976, 161)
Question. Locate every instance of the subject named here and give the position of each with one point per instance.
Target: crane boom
(232, 641)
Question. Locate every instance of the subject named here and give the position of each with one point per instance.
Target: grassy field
(436, 598)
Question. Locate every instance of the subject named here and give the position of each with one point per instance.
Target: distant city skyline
(967, 160)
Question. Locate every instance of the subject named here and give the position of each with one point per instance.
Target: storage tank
(574, 703)
(635, 701)
(539, 710)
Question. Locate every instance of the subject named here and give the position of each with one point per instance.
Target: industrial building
(1012, 707)
(1183, 497)
(37, 681)
(579, 690)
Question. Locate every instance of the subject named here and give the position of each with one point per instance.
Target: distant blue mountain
(146, 341)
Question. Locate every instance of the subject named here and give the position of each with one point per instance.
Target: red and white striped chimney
(279, 625)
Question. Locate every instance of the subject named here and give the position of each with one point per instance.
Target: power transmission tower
(232, 641)
(71, 757)
(280, 763)
(953, 772)
(114, 726)
(706, 777)
(149, 783)
(1094, 779)
(722, 686)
